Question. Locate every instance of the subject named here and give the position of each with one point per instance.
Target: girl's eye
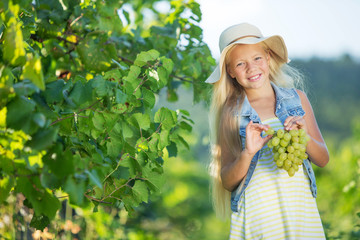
(258, 58)
(240, 64)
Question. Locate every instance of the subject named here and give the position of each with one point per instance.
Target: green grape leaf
(140, 120)
(41, 199)
(133, 75)
(81, 93)
(14, 49)
(164, 139)
(184, 125)
(98, 121)
(20, 119)
(102, 87)
(144, 57)
(113, 75)
(76, 189)
(61, 163)
(32, 70)
(43, 139)
(163, 76)
(96, 52)
(172, 149)
(148, 98)
(155, 180)
(121, 173)
(114, 147)
(127, 130)
(120, 96)
(166, 117)
(6, 184)
(168, 64)
(140, 191)
(94, 178)
(131, 164)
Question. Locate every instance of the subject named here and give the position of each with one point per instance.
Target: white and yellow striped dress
(274, 205)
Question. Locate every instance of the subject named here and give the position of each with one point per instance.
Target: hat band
(243, 38)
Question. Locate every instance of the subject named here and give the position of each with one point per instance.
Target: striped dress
(274, 205)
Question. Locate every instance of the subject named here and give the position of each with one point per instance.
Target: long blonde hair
(226, 101)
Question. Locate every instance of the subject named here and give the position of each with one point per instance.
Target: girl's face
(249, 64)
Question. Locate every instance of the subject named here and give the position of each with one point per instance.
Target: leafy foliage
(78, 85)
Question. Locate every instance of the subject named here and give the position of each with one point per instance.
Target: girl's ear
(228, 70)
(268, 57)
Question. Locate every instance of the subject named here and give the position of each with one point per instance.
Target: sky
(310, 28)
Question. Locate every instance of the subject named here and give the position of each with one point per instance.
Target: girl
(252, 91)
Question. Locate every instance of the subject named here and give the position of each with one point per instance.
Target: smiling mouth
(255, 78)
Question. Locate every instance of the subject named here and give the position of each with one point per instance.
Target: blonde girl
(253, 90)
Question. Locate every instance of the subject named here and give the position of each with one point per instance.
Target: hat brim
(275, 43)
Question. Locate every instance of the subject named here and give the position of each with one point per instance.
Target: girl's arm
(316, 147)
(234, 168)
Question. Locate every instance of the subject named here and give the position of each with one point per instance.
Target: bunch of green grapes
(289, 148)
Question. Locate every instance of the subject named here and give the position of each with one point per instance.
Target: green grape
(287, 149)
(287, 136)
(280, 133)
(302, 132)
(283, 156)
(275, 141)
(290, 149)
(296, 145)
(291, 172)
(281, 150)
(294, 133)
(295, 167)
(291, 156)
(270, 131)
(304, 156)
(279, 163)
(286, 167)
(287, 164)
(297, 152)
(284, 143)
(302, 148)
(300, 161)
(303, 140)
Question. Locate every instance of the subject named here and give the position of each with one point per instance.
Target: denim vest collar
(281, 95)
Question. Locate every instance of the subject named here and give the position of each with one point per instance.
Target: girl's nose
(249, 66)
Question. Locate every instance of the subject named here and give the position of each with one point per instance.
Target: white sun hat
(245, 33)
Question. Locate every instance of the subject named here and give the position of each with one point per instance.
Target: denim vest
(288, 103)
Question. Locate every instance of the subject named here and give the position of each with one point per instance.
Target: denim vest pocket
(296, 111)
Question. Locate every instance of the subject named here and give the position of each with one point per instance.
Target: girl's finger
(288, 120)
(297, 122)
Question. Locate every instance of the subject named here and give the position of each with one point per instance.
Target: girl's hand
(295, 122)
(254, 141)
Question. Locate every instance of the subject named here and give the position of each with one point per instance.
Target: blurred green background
(183, 210)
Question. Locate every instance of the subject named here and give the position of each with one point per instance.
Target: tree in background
(78, 85)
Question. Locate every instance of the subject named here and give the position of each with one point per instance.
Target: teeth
(255, 77)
